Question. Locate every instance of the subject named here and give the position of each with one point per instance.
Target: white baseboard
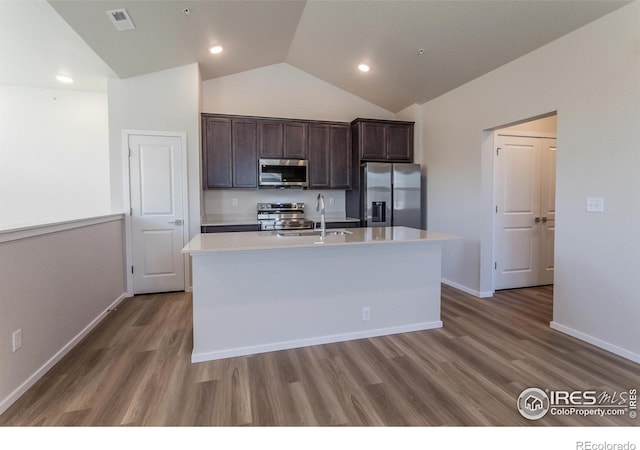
(20, 390)
(479, 294)
(595, 341)
(275, 346)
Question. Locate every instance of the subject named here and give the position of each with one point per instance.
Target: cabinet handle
(544, 219)
(536, 220)
(177, 222)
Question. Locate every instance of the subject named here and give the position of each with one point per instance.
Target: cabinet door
(372, 142)
(319, 156)
(245, 153)
(216, 153)
(399, 143)
(270, 139)
(340, 157)
(295, 140)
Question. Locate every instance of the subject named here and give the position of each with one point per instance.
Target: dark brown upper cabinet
(340, 157)
(245, 153)
(318, 156)
(270, 139)
(282, 139)
(231, 146)
(383, 140)
(329, 156)
(229, 152)
(295, 140)
(217, 157)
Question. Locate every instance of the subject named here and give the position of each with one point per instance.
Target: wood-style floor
(134, 369)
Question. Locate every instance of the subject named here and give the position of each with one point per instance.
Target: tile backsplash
(242, 203)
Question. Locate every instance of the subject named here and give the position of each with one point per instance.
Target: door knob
(537, 220)
(177, 222)
(544, 219)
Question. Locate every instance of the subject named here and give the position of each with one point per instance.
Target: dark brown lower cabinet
(349, 224)
(228, 228)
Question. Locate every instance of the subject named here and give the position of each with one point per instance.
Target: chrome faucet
(320, 207)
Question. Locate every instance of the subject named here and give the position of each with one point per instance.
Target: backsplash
(241, 203)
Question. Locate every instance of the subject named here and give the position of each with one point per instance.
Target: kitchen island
(262, 291)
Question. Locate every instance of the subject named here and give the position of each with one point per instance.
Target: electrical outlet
(234, 202)
(366, 313)
(17, 339)
(331, 201)
(595, 204)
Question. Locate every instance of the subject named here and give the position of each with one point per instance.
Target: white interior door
(157, 213)
(525, 211)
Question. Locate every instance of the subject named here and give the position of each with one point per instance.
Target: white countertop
(269, 240)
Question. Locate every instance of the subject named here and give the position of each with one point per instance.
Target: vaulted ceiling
(417, 50)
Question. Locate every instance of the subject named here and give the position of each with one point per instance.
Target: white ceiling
(327, 39)
(36, 44)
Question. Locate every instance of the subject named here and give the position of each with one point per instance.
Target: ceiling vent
(121, 19)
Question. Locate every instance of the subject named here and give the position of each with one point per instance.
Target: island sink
(314, 233)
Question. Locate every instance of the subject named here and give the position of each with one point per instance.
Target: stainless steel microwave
(283, 173)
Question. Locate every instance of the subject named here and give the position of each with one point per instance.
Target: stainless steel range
(283, 216)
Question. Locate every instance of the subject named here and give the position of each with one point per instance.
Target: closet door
(525, 211)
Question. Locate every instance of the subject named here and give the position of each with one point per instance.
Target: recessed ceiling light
(64, 79)
(216, 49)
(363, 68)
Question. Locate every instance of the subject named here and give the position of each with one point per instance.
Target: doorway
(158, 211)
(524, 187)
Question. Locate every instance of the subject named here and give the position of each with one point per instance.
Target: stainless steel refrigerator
(391, 195)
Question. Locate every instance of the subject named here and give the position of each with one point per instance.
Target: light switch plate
(595, 204)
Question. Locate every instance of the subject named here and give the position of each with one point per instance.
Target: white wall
(590, 77)
(54, 155)
(280, 90)
(54, 287)
(545, 125)
(162, 101)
